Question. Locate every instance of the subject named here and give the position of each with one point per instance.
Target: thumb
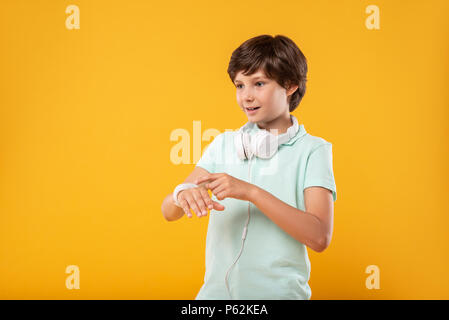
(218, 206)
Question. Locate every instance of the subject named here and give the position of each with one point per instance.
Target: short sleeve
(319, 171)
(209, 158)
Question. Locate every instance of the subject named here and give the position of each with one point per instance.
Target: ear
(292, 90)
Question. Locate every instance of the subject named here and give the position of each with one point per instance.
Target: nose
(248, 95)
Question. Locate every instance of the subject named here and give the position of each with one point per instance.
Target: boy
(288, 204)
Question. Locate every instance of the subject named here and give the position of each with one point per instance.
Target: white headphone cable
(245, 229)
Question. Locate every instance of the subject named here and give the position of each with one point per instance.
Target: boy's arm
(172, 212)
(312, 228)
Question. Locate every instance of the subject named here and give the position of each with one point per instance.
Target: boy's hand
(226, 186)
(197, 199)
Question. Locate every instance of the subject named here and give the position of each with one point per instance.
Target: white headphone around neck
(263, 144)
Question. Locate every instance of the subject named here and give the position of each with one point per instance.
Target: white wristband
(179, 188)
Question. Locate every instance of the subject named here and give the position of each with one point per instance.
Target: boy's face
(257, 90)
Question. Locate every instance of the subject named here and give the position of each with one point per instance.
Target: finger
(207, 199)
(213, 184)
(221, 195)
(185, 206)
(193, 205)
(201, 179)
(218, 206)
(218, 189)
(200, 203)
(210, 176)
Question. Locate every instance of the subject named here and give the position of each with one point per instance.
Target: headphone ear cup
(265, 145)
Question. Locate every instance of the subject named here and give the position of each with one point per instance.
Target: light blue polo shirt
(273, 265)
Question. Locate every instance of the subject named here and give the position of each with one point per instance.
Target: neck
(281, 124)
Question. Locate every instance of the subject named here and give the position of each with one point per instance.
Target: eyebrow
(256, 78)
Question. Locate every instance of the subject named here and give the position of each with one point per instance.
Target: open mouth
(251, 109)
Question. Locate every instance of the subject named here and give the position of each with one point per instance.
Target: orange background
(86, 117)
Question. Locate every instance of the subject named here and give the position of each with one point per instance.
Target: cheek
(239, 99)
(277, 96)
(268, 97)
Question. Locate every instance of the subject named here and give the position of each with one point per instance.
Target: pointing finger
(200, 180)
(203, 178)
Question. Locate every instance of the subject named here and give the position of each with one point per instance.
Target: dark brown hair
(280, 59)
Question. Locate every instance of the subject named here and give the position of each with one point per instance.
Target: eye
(238, 85)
